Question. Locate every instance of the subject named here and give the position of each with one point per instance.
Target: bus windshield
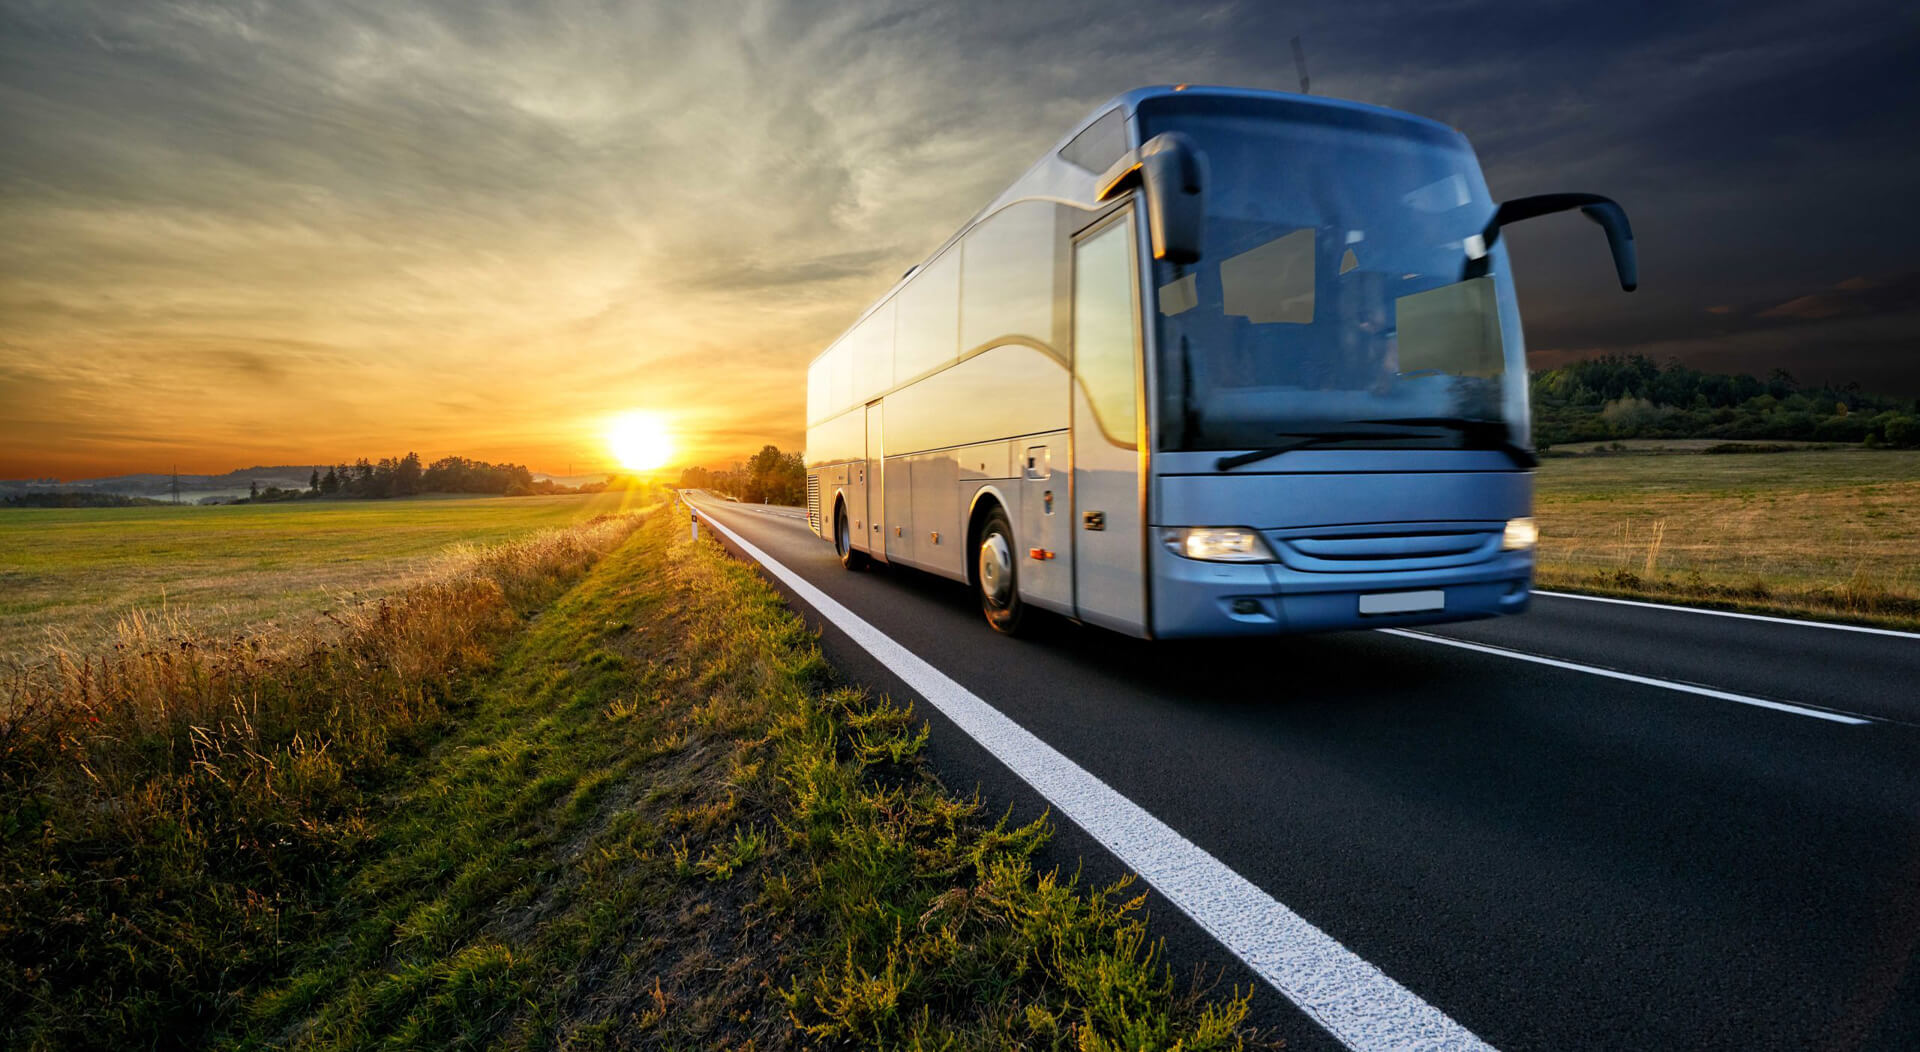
(1335, 293)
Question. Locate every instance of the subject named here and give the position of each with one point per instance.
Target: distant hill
(75, 499)
(160, 486)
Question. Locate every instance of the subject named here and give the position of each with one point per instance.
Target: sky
(313, 230)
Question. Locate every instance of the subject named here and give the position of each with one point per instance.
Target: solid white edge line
(1664, 684)
(1731, 613)
(1357, 1003)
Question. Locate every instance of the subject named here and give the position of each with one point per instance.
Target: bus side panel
(897, 525)
(941, 540)
(1000, 393)
(837, 449)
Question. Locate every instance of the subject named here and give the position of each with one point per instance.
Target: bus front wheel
(850, 557)
(996, 576)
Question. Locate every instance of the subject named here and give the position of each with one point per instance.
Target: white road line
(1732, 613)
(1664, 684)
(1355, 1001)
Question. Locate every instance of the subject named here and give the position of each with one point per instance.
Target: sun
(640, 440)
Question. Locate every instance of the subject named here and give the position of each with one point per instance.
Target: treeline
(1629, 396)
(768, 477)
(406, 477)
(77, 499)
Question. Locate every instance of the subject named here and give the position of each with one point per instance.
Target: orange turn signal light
(1039, 553)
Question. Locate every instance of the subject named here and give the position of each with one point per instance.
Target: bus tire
(996, 575)
(850, 557)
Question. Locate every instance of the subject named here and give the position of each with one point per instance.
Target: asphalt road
(1554, 858)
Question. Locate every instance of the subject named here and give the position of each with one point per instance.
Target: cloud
(1854, 297)
(244, 230)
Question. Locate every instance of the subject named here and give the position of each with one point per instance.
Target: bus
(1224, 362)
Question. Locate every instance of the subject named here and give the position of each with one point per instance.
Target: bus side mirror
(1168, 169)
(1602, 210)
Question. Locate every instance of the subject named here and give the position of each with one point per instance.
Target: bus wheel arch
(992, 564)
(850, 557)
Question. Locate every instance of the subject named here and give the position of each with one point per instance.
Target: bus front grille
(813, 503)
(1381, 552)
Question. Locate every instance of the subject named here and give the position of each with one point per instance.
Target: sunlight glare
(640, 441)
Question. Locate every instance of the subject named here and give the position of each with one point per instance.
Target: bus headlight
(1220, 544)
(1521, 534)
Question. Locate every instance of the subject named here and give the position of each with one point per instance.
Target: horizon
(242, 233)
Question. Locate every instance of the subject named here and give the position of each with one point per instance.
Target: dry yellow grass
(172, 806)
(1825, 532)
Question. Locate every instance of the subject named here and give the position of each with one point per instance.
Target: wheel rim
(840, 538)
(996, 569)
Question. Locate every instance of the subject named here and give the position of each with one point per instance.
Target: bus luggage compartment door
(871, 533)
(1045, 560)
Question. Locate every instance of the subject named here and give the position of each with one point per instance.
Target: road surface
(1599, 825)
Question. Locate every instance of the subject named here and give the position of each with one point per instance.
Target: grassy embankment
(1831, 533)
(177, 810)
(650, 817)
(68, 575)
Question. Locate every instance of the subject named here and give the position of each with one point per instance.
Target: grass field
(591, 788)
(1826, 532)
(68, 574)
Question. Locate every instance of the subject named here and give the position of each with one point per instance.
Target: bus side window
(1101, 144)
(1006, 278)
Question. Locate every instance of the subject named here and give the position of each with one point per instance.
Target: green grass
(70, 574)
(484, 813)
(1829, 533)
(665, 825)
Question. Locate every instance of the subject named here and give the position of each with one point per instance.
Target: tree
(253, 491)
(313, 483)
(330, 483)
(407, 475)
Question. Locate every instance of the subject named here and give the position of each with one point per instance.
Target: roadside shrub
(1623, 580)
(1723, 448)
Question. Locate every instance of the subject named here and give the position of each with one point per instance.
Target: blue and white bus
(1224, 362)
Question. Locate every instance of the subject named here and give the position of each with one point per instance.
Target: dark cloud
(1854, 297)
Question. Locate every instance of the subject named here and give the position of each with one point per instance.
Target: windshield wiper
(1318, 438)
(1481, 434)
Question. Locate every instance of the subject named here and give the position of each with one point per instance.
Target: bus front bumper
(1194, 598)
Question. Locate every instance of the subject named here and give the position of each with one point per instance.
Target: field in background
(68, 574)
(1832, 532)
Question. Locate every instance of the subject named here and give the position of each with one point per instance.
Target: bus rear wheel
(850, 557)
(996, 576)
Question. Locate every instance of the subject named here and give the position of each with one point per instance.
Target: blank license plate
(1403, 602)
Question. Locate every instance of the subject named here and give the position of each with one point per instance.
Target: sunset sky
(267, 232)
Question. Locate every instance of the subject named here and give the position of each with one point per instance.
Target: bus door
(1108, 559)
(876, 517)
